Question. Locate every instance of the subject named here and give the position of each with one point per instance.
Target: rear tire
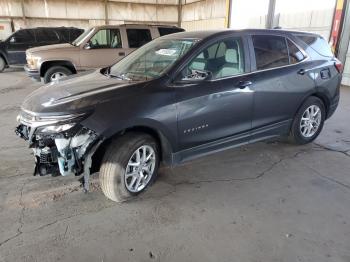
(116, 173)
(54, 72)
(2, 64)
(308, 122)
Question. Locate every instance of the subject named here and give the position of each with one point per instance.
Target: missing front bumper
(61, 154)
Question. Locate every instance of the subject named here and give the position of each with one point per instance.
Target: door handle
(121, 53)
(244, 84)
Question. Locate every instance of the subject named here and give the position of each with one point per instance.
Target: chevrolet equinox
(179, 97)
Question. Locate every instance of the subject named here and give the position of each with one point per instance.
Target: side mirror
(13, 40)
(87, 45)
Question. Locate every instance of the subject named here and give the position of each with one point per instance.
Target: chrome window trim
(258, 71)
(306, 58)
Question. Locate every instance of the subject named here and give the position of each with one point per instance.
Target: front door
(17, 45)
(104, 48)
(215, 113)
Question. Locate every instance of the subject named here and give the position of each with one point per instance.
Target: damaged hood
(77, 92)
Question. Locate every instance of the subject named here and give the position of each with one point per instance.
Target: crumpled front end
(61, 145)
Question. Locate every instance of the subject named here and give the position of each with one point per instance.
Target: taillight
(339, 66)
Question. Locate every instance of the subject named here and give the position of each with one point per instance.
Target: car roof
(223, 32)
(51, 27)
(133, 25)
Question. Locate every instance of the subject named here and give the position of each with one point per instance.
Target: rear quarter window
(63, 34)
(317, 43)
(74, 34)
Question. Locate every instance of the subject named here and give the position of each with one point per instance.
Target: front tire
(129, 166)
(55, 73)
(2, 64)
(308, 122)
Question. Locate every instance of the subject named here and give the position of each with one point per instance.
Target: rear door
(17, 45)
(278, 84)
(103, 49)
(216, 113)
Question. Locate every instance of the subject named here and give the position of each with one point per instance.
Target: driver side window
(221, 59)
(22, 37)
(106, 38)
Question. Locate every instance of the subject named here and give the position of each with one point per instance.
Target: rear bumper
(32, 73)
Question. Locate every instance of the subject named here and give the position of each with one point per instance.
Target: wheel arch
(2, 55)
(166, 149)
(319, 95)
(326, 101)
(47, 64)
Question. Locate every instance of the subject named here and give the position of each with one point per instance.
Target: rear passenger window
(317, 43)
(270, 51)
(46, 36)
(138, 37)
(295, 54)
(169, 30)
(63, 35)
(224, 58)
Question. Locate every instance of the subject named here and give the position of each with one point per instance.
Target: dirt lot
(264, 202)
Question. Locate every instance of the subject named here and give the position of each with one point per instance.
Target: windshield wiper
(121, 76)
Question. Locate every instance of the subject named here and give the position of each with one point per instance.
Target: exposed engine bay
(61, 145)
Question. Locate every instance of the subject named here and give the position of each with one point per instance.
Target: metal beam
(228, 13)
(106, 12)
(270, 14)
(179, 13)
(345, 35)
(23, 13)
(126, 21)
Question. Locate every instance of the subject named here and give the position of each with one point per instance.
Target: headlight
(32, 62)
(55, 128)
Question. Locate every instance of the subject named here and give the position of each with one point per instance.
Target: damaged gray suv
(179, 97)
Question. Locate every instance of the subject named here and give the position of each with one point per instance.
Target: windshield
(82, 37)
(151, 60)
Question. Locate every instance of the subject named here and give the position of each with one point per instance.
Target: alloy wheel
(56, 76)
(310, 121)
(140, 168)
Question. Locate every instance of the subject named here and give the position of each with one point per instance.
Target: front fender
(164, 133)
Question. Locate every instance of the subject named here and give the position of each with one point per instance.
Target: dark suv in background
(12, 50)
(179, 97)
